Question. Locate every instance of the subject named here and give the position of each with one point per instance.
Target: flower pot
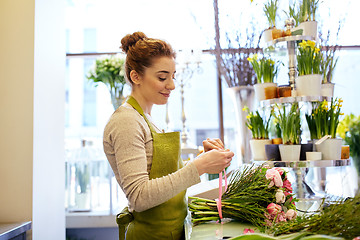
(306, 147)
(290, 152)
(277, 33)
(345, 152)
(276, 141)
(265, 91)
(267, 35)
(284, 91)
(257, 147)
(309, 29)
(308, 85)
(327, 89)
(330, 148)
(312, 156)
(272, 152)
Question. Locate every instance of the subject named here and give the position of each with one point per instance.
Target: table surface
(10, 230)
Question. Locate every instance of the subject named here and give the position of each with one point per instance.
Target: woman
(145, 160)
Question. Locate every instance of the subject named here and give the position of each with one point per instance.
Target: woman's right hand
(213, 161)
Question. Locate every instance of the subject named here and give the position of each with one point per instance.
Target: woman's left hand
(214, 143)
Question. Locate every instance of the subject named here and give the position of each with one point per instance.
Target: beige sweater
(128, 147)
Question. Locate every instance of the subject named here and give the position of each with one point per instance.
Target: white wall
(32, 70)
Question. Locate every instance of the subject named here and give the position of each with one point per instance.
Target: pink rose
(291, 214)
(248, 230)
(275, 178)
(287, 185)
(281, 217)
(279, 170)
(273, 208)
(280, 196)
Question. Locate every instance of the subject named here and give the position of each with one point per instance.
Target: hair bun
(130, 40)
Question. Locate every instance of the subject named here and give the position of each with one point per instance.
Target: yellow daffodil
(317, 50)
(311, 44)
(249, 59)
(302, 44)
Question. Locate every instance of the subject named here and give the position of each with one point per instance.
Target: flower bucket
(309, 29)
(272, 152)
(327, 89)
(330, 148)
(267, 35)
(257, 147)
(290, 152)
(308, 85)
(265, 91)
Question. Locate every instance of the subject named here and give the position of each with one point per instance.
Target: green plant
(293, 13)
(349, 130)
(109, 70)
(83, 176)
(270, 9)
(258, 125)
(307, 10)
(323, 120)
(309, 58)
(328, 64)
(266, 69)
(289, 123)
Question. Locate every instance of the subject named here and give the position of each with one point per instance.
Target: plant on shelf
(259, 127)
(289, 123)
(324, 119)
(270, 10)
(349, 130)
(266, 71)
(293, 13)
(309, 57)
(308, 9)
(109, 70)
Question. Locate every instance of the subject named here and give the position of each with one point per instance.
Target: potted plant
(290, 126)
(270, 10)
(272, 150)
(109, 70)
(308, 82)
(323, 121)
(259, 127)
(328, 64)
(307, 16)
(266, 71)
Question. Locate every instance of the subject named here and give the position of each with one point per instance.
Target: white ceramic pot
(267, 35)
(308, 85)
(310, 156)
(309, 29)
(290, 152)
(330, 148)
(327, 89)
(257, 147)
(262, 88)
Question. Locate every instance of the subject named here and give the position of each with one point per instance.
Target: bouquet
(110, 71)
(265, 68)
(258, 195)
(323, 120)
(309, 58)
(258, 126)
(289, 123)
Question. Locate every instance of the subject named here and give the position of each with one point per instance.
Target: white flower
(280, 196)
(291, 214)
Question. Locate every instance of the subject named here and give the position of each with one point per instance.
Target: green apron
(165, 221)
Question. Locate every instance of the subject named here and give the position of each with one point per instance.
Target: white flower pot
(257, 147)
(330, 148)
(290, 152)
(309, 29)
(267, 35)
(262, 88)
(308, 85)
(327, 89)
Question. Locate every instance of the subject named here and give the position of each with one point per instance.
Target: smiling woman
(145, 160)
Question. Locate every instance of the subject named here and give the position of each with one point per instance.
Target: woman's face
(157, 82)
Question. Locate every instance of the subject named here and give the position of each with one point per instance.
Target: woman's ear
(135, 77)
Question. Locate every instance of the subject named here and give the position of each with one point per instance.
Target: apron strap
(123, 219)
(132, 101)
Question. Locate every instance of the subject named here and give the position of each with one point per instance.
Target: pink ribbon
(218, 200)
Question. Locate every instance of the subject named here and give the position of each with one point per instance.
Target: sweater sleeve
(128, 147)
